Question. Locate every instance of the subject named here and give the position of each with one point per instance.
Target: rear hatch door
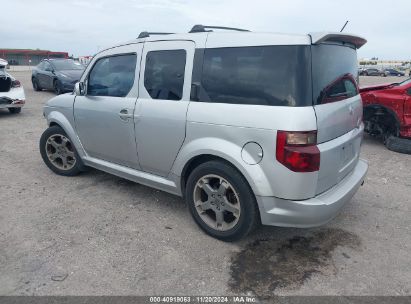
(338, 108)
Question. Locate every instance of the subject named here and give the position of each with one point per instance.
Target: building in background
(28, 57)
(85, 60)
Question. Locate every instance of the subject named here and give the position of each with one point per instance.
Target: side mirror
(79, 89)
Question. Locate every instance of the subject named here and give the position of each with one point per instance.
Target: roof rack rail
(148, 34)
(199, 28)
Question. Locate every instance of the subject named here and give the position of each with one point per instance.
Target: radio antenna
(346, 22)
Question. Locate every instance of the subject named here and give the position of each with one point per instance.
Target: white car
(11, 91)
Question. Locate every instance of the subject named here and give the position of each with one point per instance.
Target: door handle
(124, 115)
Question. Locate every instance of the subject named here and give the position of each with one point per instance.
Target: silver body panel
(340, 132)
(160, 137)
(165, 119)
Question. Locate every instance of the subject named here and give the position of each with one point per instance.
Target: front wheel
(57, 87)
(36, 86)
(221, 201)
(58, 152)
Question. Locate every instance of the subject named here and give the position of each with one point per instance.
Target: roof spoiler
(317, 38)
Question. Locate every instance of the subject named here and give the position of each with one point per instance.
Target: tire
(54, 159)
(57, 87)
(14, 110)
(398, 144)
(36, 86)
(237, 193)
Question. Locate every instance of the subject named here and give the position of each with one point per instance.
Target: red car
(387, 112)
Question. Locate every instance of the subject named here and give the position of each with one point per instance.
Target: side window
(47, 66)
(112, 76)
(266, 75)
(164, 74)
(343, 88)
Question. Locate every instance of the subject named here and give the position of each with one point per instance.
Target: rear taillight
(298, 151)
(15, 84)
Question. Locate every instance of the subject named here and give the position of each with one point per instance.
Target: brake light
(15, 84)
(298, 151)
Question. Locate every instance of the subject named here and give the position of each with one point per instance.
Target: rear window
(263, 75)
(334, 70)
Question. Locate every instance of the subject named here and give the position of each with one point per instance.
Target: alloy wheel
(217, 202)
(60, 152)
(57, 88)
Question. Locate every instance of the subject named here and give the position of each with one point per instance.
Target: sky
(83, 27)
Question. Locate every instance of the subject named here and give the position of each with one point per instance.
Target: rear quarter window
(263, 75)
(334, 69)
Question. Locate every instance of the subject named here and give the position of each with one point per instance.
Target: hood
(70, 74)
(376, 88)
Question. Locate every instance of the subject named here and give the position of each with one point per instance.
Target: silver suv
(247, 127)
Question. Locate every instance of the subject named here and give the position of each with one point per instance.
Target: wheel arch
(199, 151)
(371, 109)
(55, 118)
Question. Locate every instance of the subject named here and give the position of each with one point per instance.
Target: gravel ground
(97, 234)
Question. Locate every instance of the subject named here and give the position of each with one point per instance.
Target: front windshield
(68, 64)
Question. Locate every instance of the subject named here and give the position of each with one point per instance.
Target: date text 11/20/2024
(203, 299)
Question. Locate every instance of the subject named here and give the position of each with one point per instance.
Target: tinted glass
(68, 64)
(334, 70)
(41, 66)
(343, 88)
(47, 66)
(112, 76)
(264, 75)
(164, 74)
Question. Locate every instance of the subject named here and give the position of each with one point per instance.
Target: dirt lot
(96, 234)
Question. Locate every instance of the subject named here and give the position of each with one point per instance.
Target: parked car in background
(387, 113)
(371, 72)
(11, 91)
(248, 127)
(392, 72)
(59, 75)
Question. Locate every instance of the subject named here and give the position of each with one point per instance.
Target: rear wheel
(58, 152)
(14, 110)
(221, 201)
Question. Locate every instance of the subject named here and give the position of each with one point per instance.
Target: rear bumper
(11, 103)
(315, 211)
(14, 98)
